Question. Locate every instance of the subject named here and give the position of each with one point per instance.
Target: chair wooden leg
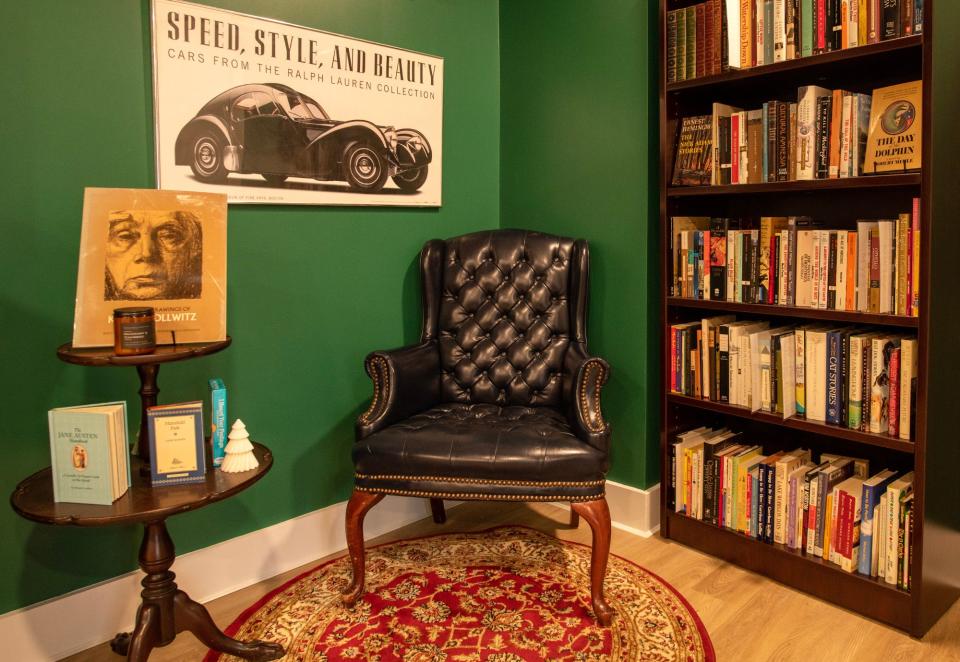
(597, 514)
(439, 514)
(360, 502)
(574, 518)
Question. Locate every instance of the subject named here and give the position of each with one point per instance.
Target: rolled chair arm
(588, 375)
(405, 381)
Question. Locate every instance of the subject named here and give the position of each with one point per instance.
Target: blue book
(176, 443)
(89, 455)
(873, 489)
(218, 422)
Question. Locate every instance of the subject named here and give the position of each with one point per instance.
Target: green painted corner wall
(578, 157)
(312, 289)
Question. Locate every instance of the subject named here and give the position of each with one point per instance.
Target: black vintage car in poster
(276, 132)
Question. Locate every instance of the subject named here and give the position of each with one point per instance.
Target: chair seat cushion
(481, 451)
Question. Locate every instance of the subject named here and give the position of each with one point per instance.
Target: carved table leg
(194, 617)
(597, 515)
(360, 502)
(148, 398)
(165, 610)
(439, 514)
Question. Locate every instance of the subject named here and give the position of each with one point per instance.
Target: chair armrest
(588, 375)
(405, 381)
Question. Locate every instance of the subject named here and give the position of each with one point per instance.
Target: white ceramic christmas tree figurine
(239, 451)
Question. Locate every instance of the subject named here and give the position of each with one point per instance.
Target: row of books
(834, 509)
(717, 35)
(825, 134)
(791, 261)
(861, 379)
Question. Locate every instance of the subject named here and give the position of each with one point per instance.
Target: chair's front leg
(597, 514)
(439, 514)
(360, 502)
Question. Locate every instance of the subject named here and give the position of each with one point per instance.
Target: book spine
(823, 138)
(915, 260)
(779, 30)
(800, 372)
(832, 271)
(723, 351)
(889, 20)
(867, 504)
(672, 46)
(908, 385)
(854, 388)
(768, 32)
(701, 39)
(771, 157)
(763, 477)
(770, 505)
(783, 138)
(874, 293)
(902, 261)
(893, 395)
(691, 35)
(833, 378)
(821, 504)
(812, 508)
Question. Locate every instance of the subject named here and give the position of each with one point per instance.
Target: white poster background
(219, 52)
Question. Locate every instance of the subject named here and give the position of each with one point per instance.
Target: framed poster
(268, 112)
(164, 249)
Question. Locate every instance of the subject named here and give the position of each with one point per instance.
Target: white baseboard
(65, 625)
(632, 510)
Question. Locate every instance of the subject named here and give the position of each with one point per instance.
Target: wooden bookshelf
(934, 452)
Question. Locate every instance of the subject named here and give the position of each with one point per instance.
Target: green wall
(312, 289)
(578, 152)
(564, 147)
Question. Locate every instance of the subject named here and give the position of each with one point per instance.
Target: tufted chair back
(506, 305)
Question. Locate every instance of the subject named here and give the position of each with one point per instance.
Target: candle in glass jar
(134, 331)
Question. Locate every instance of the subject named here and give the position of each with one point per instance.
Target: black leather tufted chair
(500, 400)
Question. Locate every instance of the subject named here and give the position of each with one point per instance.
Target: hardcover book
(165, 249)
(89, 456)
(176, 443)
(894, 142)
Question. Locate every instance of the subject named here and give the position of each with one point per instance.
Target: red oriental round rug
(510, 594)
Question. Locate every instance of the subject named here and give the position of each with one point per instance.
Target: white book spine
(731, 262)
(779, 30)
(878, 400)
(816, 357)
(733, 33)
(853, 38)
(806, 130)
(908, 373)
(893, 529)
(815, 276)
(760, 31)
(798, 369)
(887, 229)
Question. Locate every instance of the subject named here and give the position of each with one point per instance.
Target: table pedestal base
(166, 610)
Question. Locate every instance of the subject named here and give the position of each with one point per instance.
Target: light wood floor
(748, 617)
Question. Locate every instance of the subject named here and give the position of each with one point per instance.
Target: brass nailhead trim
(483, 481)
(381, 379)
(481, 497)
(584, 402)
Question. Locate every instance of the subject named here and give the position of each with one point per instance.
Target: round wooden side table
(165, 610)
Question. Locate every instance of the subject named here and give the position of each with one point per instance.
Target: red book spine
(893, 397)
(821, 28)
(914, 303)
(735, 148)
(718, 9)
(701, 40)
(708, 38)
(773, 263)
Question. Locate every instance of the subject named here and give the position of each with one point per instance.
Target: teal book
(89, 456)
(806, 28)
(218, 419)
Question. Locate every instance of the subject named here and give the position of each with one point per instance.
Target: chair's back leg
(360, 502)
(439, 514)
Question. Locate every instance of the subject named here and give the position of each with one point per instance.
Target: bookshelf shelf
(855, 184)
(793, 568)
(860, 57)
(934, 454)
(792, 311)
(824, 429)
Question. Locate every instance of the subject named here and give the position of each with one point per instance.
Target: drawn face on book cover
(153, 255)
(79, 458)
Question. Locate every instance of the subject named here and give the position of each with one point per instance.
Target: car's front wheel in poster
(364, 167)
(207, 161)
(411, 180)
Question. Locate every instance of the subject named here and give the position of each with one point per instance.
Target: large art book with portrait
(89, 456)
(165, 249)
